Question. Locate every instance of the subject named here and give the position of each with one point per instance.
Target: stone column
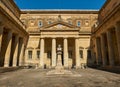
(110, 48)
(117, 30)
(15, 55)
(1, 34)
(42, 53)
(98, 51)
(65, 53)
(103, 49)
(8, 50)
(21, 60)
(77, 53)
(53, 52)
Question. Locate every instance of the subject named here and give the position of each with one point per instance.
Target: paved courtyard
(80, 78)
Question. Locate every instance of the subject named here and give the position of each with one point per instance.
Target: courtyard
(39, 78)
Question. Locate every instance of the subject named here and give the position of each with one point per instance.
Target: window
(70, 54)
(49, 22)
(40, 24)
(30, 54)
(38, 54)
(86, 23)
(32, 23)
(81, 53)
(89, 54)
(78, 23)
(49, 54)
(70, 22)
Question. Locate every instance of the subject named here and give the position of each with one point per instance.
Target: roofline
(62, 11)
(59, 9)
(104, 5)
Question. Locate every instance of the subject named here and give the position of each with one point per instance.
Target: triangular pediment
(59, 25)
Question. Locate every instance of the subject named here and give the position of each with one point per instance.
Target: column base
(6, 65)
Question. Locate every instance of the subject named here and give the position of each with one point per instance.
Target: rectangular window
(78, 24)
(49, 54)
(38, 54)
(49, 22)
(88, 54)
(30, 54)
(81, 53)
(70, 22)
(40, 24)
(70, 54)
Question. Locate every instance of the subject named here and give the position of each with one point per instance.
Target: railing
(11, 13)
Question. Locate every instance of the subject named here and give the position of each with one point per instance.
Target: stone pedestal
(59, 69)
(59, 63)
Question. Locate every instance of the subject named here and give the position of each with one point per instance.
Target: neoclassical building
(49, 28)
(87, 37)
(105, 40)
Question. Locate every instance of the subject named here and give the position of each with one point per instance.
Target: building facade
(49, 28)
(105, 40)
(13, 37)
(87, 37)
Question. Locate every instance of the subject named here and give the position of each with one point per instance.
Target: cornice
(57, 11)
(104, 5)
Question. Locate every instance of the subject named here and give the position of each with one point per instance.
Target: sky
(60, 4)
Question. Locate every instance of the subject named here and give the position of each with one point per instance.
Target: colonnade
(108, 47)
(54, 54)
(11, 48)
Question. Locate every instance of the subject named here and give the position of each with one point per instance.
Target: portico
(48, 52)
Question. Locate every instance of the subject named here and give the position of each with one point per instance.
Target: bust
(59, 49)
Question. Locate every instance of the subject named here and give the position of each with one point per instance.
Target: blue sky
(59, 4)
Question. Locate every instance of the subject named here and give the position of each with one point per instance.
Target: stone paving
(39, 78)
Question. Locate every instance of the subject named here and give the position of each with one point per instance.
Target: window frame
(81, 53)
(30, 54)
(38, 55)
(78, 23)
(40, 24)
